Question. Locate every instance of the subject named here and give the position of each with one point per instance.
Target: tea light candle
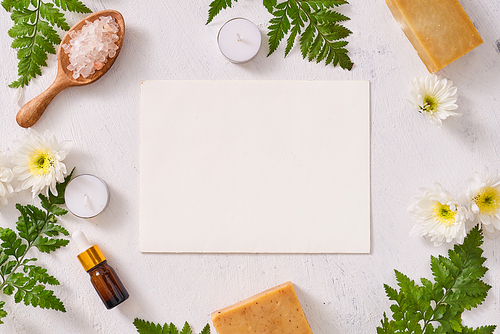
(86, 196)
(239, 40)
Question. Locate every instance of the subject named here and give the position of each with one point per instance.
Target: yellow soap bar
(274, 311)
(439, 30)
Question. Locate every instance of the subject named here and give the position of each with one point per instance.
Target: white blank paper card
(255, 166)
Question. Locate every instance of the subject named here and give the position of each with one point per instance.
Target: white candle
(86, 196)
(239, 40)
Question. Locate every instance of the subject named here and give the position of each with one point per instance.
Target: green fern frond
(34, 34)
(146, 327)
(458, 286)
(35, 228)
(216, 6)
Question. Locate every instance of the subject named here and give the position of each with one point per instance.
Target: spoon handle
(31, 112)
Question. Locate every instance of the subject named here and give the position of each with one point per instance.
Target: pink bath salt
(89, 48)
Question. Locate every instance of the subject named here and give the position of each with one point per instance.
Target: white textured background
(339, 293)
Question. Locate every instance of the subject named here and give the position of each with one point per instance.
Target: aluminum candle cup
(239, 40)
(86, 196)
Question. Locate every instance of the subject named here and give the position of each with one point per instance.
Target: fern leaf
(32, 294)
(330, 16)
(458, 287)
(146, 327)
(280, 25)
(479, 330)
(3, 258)
(315, 47)
(23, 15)
(206, 330)
(20, 278)
(8, 4)
(3, 313)
(21, 42)
(173, 329)
(50, 229)
(165, 329)
(34, 34)
(333, 32)
(318, 41)
(291, 39)
(297, 25)
(47, 245)
(28, 66)
(186, 329)
(306, 39)
(50, 33)
(216, 6)
(270, 4)
(52, 14)
(322, 53)
(45, 44)
(10, 242)
(43, 298)
(27, 230)
(40, 275)
(72, 6)
(441, 273)
(327, 3)
(343, 59)
(21, 30)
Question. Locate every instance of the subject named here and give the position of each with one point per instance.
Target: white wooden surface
(339, 293)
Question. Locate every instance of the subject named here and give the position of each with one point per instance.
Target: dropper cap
(90, 255)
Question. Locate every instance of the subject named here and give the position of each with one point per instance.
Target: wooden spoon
(31, 112)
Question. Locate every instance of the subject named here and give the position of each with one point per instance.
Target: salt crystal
(90, 47)
(98, 65)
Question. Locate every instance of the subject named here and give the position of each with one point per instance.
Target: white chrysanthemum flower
(483, 200)
(439, 216)
(435, 98)
(6, 176)
(38, 162)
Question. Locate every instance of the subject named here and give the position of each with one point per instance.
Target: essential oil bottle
(103, 277)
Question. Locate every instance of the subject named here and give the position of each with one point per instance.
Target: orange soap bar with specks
(274, 311)
(439, 30)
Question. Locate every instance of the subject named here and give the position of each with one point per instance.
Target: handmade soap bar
(439, 30)
(274, 311)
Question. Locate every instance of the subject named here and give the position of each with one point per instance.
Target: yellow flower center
(40, 162)
(444, 214)
(430, 104)
(488, 200)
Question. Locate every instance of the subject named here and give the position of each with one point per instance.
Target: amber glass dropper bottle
(103, 277)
